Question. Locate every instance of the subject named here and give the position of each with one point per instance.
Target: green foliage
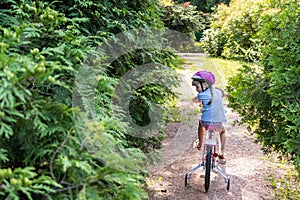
(139, 108)
(112, 17)
(25, 183)
(35, 81)
(269, 97)
(44, 153)
(212, 42)
(3, 155)
(233, 30)
(183, 18)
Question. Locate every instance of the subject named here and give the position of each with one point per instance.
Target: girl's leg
(222, 140)
(200, 135)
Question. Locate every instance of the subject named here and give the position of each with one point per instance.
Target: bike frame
(210, 144)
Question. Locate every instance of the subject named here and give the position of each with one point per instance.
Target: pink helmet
(204, 76)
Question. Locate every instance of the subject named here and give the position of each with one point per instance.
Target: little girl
(213, 114)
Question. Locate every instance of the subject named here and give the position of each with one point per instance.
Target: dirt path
(245, 165)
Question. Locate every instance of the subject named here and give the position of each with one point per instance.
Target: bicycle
(209, 161)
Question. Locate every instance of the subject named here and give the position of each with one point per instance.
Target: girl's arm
(196, 100)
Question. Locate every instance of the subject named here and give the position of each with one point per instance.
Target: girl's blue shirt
(215, 111)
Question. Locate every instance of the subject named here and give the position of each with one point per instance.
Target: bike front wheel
(207, 167)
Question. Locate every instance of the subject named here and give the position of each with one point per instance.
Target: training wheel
(228, 184)
(186, 180)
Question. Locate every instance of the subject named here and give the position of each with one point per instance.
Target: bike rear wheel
(207, 167)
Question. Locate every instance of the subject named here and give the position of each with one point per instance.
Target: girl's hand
(195, 100)
(197, 145)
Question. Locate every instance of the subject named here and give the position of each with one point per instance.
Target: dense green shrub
(189, 17)
(233, 29)
(43, 47)
(267, 97)
(183, 18)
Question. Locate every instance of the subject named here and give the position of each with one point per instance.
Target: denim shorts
(216, 126)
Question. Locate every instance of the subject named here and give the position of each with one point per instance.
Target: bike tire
(207, 168)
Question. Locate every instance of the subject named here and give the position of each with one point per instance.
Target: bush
(44, 153)
(183, 18)
(233, 30)
(268, 97)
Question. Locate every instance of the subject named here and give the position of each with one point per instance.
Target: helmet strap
(201, 86)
